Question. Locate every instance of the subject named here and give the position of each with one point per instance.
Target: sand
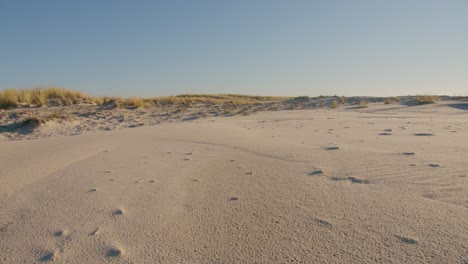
(385, 184)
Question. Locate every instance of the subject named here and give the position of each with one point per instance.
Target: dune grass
(234, 99)
(391, 100)
(341, 100)
(302, 97)
(427, 99)
(53, 96)
(135, 102)
(10, 98)
(335, 104)
(363, 104)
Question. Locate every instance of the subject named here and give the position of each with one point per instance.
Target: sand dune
(386, 184)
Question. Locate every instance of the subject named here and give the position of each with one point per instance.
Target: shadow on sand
(22, 127)
(459, 106)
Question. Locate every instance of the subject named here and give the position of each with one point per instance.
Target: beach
(385, 183)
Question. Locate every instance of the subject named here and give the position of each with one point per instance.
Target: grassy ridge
(11, 98)
(40, 96)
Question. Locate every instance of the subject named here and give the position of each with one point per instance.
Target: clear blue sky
(271, 47)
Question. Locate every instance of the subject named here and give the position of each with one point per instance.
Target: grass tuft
(40, 96)
(135, 102)
(8, 99)
(391, 100)
(363, 104)
(427, 99)
(335, 104)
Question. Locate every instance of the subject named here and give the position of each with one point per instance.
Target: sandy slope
(265, 188)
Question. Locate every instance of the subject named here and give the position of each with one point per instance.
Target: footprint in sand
(60, 233)
(118, 212)
(317, 172)
(385, 134)
(332, 148)
(323, 223)
(4, 228)
(407, 240)
(95, 232)
(49, 256)
(114, 252)
(351, 180)
(429, 196)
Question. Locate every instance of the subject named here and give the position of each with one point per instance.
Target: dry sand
(386, 184)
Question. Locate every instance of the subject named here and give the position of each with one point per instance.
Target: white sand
(263, 188)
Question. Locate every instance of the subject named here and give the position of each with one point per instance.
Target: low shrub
(427, 99)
